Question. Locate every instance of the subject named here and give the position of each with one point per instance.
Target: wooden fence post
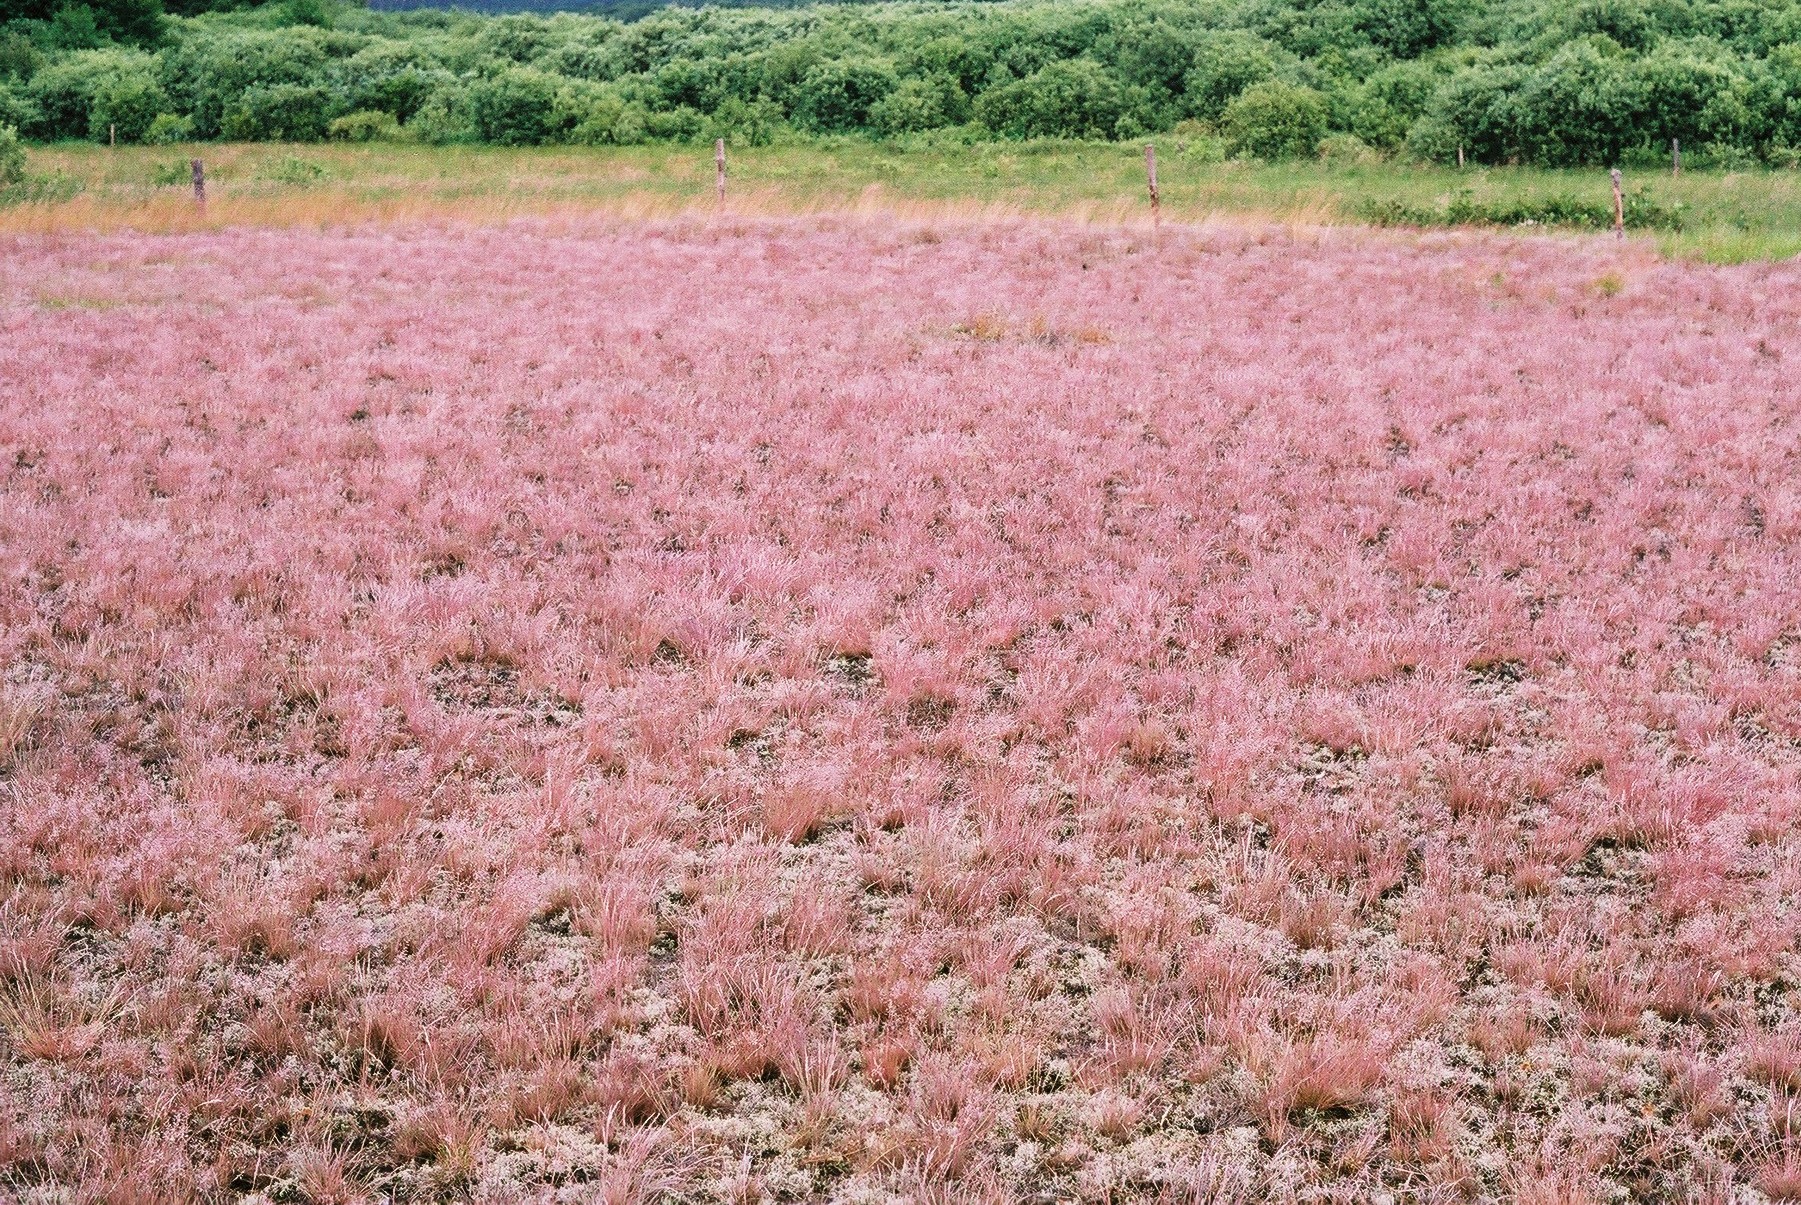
(1619, 206)
(1675, 156)
(199, 182)
(1459, 158)
(112, 133)
(1150, 174)
(719, 169)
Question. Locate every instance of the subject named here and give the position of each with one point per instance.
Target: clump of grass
(986, 327)
(172, 173)
(294, 170)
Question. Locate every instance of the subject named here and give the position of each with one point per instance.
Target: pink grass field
(817, 710)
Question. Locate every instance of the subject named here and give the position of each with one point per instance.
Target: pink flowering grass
(801, 710)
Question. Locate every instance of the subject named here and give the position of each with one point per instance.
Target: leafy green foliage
(836, 97)
(1546, 82)
(86, 24)
(364, 125)
(1274, 120)
(287, 112)
(125, 106)
(12, 157)
(1641, 211)
(80, 94)
(167, 128)
(1076, 99)
(514, 108)
(1224, 65)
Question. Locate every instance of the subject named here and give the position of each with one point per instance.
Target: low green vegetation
(1548, 83)
(1711, 214)
(1387, 112)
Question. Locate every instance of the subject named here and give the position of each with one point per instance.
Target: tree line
(1545, 82)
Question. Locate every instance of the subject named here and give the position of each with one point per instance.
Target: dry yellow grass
(327, 209)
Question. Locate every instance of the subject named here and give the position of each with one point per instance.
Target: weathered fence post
(1675, 156)
(1459, 158)
(199, 182)
(1150, 175)
(112, 133)
(719, 169)
(1619, 206)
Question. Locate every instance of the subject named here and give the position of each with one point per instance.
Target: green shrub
(1348, 150)
(172, 174)
(166, 128)
(1077, 99)
(600, 126)
(1197, 143)
(923, 103)
(310, 12)
(1473, 110)
(1152, 59)
(1781, 83)
(838, 96)
(125, 106)
(388, 78)
(953, 55)
(1628, 23)
(1723, 156)
(20, 57)
(285, 112)
(631, 128)
(444, 118)
(292, 169)
(12, 157)
(211, 73)
(1582, 105)
(1274, 120)
(1693, 91)
(518, 38)
(515, 108)
(16, 110)
(1408, 28)
(66, 93)
(690, 82)
(679, 125)
(742, 123)
(1225, 64)
(1384, 107)
(363, 125)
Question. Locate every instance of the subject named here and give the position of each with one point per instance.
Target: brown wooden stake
(1150, 174)
(719, 168)
(1619, 206)
(1459, 158)
(1675, 156)
(199, 182)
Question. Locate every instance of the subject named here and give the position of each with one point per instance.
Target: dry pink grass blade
(810, 710)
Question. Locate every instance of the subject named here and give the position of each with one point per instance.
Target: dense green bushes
(1550, 82)
(1274, 120)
